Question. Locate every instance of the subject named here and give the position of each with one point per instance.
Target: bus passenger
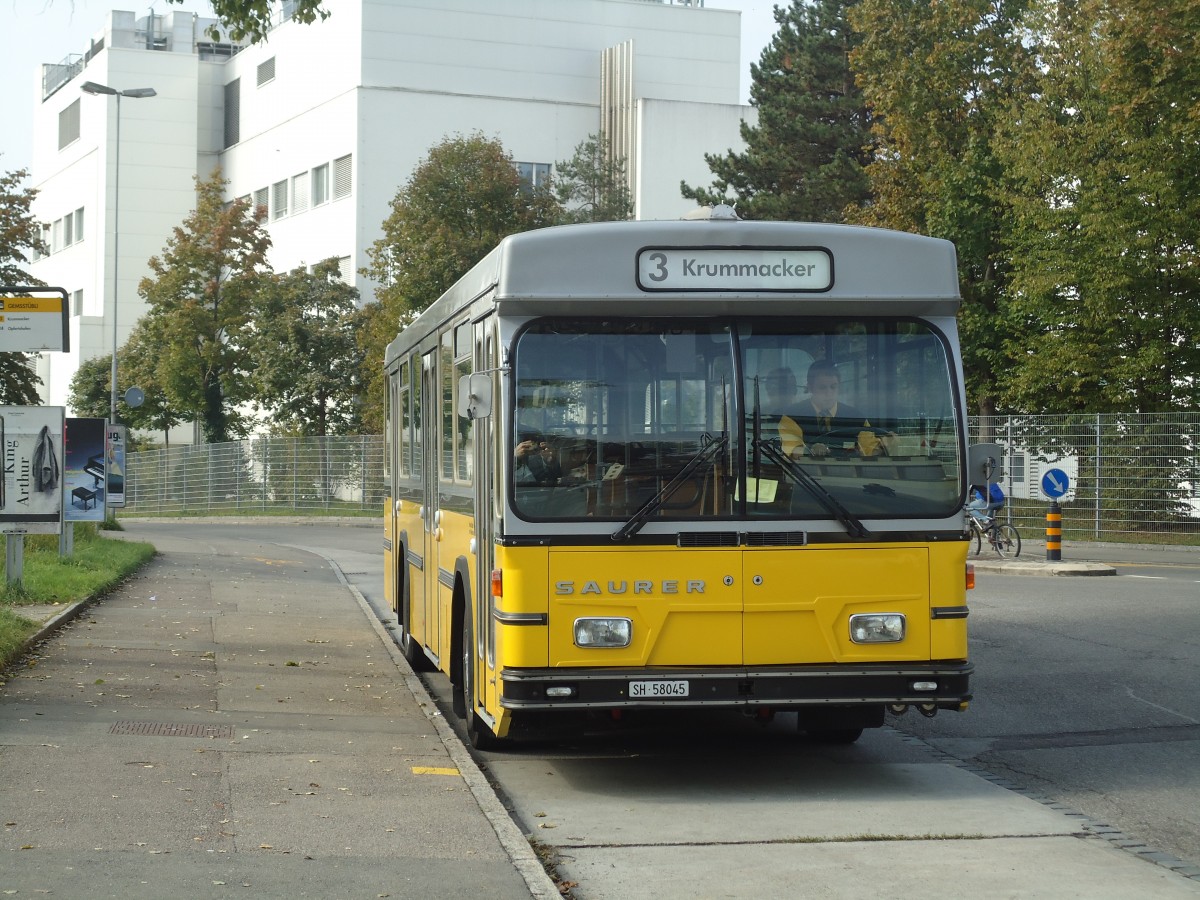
(820, 419)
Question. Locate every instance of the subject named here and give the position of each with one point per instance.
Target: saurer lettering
(613, 588)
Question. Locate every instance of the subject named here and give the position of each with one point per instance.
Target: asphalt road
(1085, 691)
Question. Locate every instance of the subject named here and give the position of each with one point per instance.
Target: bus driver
(818, 420)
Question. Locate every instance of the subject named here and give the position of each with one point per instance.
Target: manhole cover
(165, 729)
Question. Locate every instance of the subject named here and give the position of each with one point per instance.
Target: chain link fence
(330, 475)
(1133, 477)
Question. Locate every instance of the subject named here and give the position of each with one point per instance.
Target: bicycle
(1001, 536)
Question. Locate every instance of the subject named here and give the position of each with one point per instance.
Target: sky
(33, 32)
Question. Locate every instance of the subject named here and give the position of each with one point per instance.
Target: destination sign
(729, 269)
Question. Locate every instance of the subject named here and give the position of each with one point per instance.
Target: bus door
(485, 475)
(425, 600)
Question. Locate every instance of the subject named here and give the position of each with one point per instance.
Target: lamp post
(91, 87)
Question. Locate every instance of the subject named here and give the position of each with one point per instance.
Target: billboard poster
(115, 494)
(83, 471)
(32, 489)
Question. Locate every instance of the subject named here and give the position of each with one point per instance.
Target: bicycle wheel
(1007, 540)
(976, 538)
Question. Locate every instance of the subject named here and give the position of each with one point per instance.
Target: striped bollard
(1054, 533)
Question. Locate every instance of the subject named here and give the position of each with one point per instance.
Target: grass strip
(97, 565)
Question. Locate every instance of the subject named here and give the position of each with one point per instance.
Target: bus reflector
(970, 577)
(497, 583)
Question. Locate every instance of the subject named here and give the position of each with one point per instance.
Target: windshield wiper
(796, 472)
(705, 454)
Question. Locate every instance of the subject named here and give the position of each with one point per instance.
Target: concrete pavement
(235, 719)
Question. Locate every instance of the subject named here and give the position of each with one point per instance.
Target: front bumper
(773, 686)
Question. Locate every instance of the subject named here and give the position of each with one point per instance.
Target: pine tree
(804, 159)
(591, 185)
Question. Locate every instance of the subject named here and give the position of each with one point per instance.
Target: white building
(323, 124)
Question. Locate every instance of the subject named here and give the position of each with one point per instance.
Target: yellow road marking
(434, 770)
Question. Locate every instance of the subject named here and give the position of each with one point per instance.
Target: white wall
(674, 139)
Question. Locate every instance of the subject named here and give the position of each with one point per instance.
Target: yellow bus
(603, 497)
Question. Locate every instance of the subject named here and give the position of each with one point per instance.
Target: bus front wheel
(478, 733)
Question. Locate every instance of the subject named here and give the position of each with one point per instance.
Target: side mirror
(475, 396)
(983, 463)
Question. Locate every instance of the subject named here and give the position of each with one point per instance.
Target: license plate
(640, 689)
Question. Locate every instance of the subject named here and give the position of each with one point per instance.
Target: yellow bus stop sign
(32, 319)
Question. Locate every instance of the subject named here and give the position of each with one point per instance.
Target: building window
(79, 224)
(260, 202)
(342, 175)
(69, 230)
(320, 185)
(56, 236)
(279, 200)
(345, 269)
(68, 125)
(533, 175)
(233, 115)
(300, 192)
(266, 71)
(77, 303)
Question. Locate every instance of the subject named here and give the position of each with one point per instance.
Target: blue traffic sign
(1055, 483)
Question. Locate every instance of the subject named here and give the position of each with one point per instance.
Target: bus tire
(479, 734)
(409, 649)
(833, 725)
(836, 735)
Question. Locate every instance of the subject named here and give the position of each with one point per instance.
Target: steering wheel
(835, 438)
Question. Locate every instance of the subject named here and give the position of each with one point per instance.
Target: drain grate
(165, 729)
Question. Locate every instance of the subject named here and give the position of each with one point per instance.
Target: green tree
(137, 366)
(201, 295)
(461, 201)
(20, 237)
(1106, 155)
(591, 186)
(252, 19)
(306, 354)
(804, 159)
(942, 80)
(90, 394)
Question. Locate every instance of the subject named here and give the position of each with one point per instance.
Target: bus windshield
(637, 420)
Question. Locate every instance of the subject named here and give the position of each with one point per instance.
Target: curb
(1031, 567)
(516, 845)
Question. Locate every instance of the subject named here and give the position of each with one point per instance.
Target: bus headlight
(609, 631)
(877, 628)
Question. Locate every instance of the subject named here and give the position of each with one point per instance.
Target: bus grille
(776, 539)
(708, 539)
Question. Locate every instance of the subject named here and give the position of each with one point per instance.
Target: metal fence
(263, 475)
(1133, 478)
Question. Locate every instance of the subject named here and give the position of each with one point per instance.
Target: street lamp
(90, 87)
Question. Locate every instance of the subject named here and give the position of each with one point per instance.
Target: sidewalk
(235, 720)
